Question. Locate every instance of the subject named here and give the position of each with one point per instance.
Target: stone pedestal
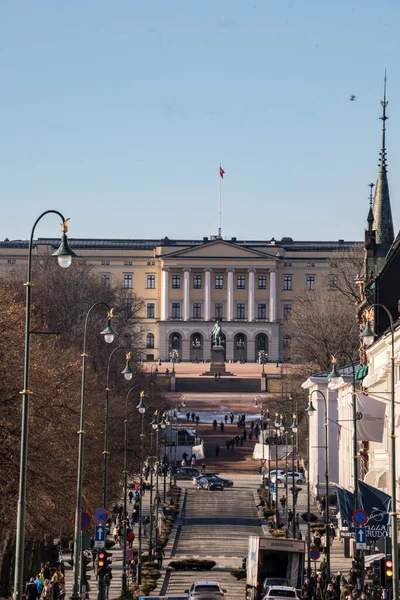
(217, 360)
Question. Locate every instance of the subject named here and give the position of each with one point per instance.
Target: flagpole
(220, 203)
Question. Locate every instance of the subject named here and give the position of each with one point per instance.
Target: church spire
(382, 212)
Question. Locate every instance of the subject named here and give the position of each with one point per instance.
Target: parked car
(225, 482)
(277, 592)
(290, 476)
(204, 474)
(274, 581)
(209, 483)
(205, 590)
(271, 475)
(186, 472)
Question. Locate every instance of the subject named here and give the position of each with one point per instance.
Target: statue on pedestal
(217, 336)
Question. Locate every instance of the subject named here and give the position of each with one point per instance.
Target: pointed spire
(370, 218)
(382, 212)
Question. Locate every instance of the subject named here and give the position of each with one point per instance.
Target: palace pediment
(219, 249)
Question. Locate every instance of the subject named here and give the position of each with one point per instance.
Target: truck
(273, 557)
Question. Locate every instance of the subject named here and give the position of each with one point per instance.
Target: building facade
(186, 285)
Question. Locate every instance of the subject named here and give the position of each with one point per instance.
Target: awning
(362, 372)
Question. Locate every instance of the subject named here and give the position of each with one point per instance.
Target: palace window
(151, 282)
(176, 310)
(105, 280)
(240, 308)
(262, 282)
(196, 310)
(219, 282)
(262, 312)
(197, 282)
(128, 281)
(310, 282)
(288, 282)
(150, 340)
(333, 282)
(241, 282)
(176, 281)
(287, 310)
(219, 310)
(151, 309)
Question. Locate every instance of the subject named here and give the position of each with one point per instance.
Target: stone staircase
(207, 385)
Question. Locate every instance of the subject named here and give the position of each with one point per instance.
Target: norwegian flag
(221, 172)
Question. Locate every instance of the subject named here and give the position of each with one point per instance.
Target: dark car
(209, 483)
(204, 474)
(186, 472)
(225, 482)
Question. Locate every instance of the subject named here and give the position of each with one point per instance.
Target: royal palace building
(187, 284)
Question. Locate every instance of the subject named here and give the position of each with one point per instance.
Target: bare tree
(347, 266)
(320, 324)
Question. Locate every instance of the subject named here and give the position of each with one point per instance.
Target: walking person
(160, 555)
(297, 521)
(222, 425)
(290, 517)
(188, 417)
(31, 590)
(193, 416)
(226, 418)
(217, 448)
(283, 504)
(130, 496)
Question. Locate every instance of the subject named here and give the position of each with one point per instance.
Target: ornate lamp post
(368, 337)
(125, 513)
(142, 409)
(127, 373)
(196, 344)
(109, 334)
(64, 255)
(310, 410)
(174, 357)
(262, 359)
(154, 371)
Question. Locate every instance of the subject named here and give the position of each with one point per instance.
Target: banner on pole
(370, 418)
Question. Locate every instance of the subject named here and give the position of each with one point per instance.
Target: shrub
(192, 564)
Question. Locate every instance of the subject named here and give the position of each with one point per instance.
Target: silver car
(292, 477)
(205, 590)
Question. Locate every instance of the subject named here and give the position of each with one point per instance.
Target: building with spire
(379, 235)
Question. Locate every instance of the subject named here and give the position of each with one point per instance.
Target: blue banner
(376, 504)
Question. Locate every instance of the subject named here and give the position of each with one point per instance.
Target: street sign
(129, 554)
(263, 461)
(100, 515)
(99, 536)
(314, 554)
(361, 538)
(360, 517)
(347, 534)
(85, 520)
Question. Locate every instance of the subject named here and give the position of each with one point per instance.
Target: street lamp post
(64, 255)
(125, 513)
(196, 344)
(109, 334)
(155, 372)
(174, 356)
(127, 372)
(293, 428)
(368, 336)
(142, 409)
(262, 358)
(277, 425)
(310, 409)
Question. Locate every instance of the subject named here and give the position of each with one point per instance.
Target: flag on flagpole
(221, 172)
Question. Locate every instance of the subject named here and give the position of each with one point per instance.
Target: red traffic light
(389, 564)
(389, 568)
(101, 561)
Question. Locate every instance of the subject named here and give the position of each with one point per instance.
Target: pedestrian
(226, 418)
(94, 556)
(116, 533)
(107, 580)
(215, 376)
(219, 374)
(228, 444)
(203, 467)
(217, 450)
(241, 440)
(283, 504)
(244, 434)
(233, 441)
(232, 416)
(193, 416)
(221, 425)
(188, 416)
(295, 494)
(130, 536)
(183, 462)
(160, 555)
(250, 435)
(130, 496)
(31, 590)
(47, 591)
(290, 516)
(214, 425)
(237, 439)
(39, 585)
(197, 419)
(261, 503)
(297, 521)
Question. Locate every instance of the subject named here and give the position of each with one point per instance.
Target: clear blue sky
(118, 112)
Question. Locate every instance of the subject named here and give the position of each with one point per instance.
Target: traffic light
(101, 563)
(386, 571)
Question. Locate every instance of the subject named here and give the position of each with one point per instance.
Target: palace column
(186, 295)
(164, 293)
(272, 295)
(207, 295)
(230, 295)
(250, 300)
